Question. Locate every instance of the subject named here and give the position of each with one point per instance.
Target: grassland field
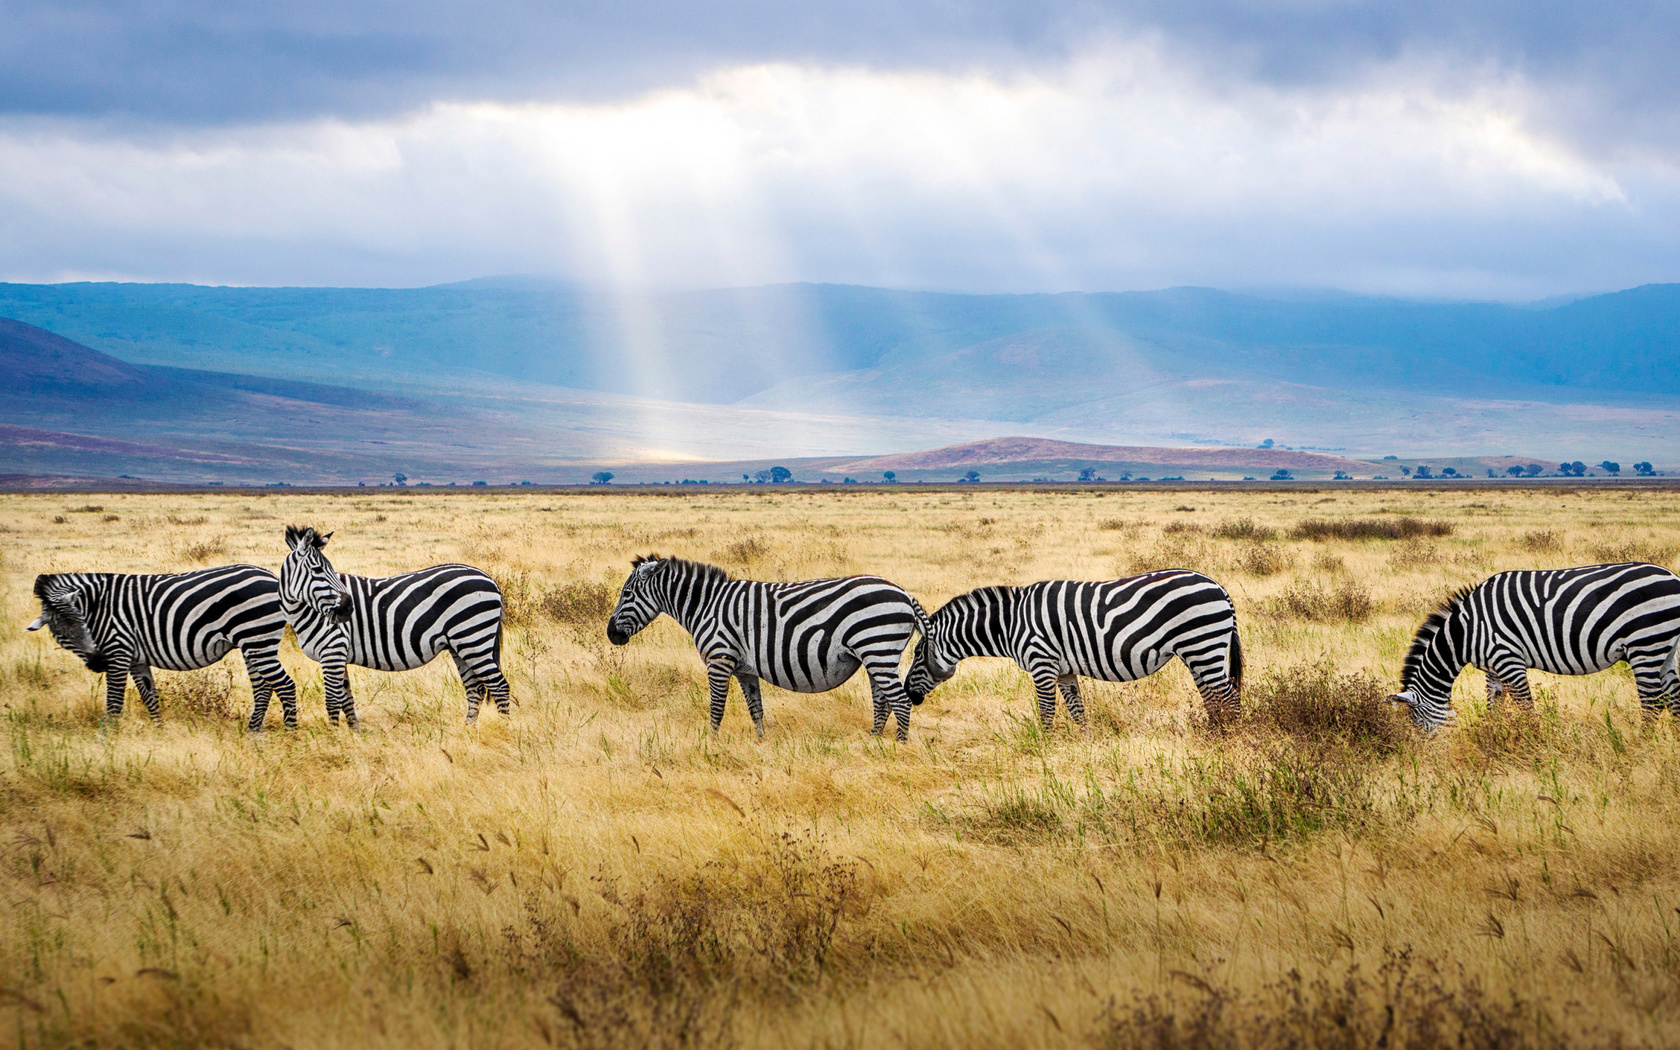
(600, 870)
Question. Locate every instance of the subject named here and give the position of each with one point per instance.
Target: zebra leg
(755, 702)
(476, 690)
(1654, 676)
(335, 678)
(718, 673)
(116, 689)
(262, 687)
(143, 682)
(1044, 681)
(1512, 677)
(889, 695)
(1219, 697)
(1075, 706)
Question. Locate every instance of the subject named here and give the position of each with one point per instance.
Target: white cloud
(1117, 169)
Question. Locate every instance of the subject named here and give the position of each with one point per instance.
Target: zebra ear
(40, 621)
(318, 539)
(1404, 698)
(294, 536)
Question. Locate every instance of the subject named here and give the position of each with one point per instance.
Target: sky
(1437, 149)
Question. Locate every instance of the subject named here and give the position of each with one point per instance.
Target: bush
(580, 602)
(1260, 559)
(1244, 529)
(1540, 540)
(1632, 550)
(1403, 528)
(1348, 602)
(1315, 704)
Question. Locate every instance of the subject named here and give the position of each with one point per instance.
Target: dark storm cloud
(1614, 68)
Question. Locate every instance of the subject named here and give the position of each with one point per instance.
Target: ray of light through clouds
(1117, 168)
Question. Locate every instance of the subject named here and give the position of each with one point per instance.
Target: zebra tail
(496, 649)
(1236, 661)
(921, 614)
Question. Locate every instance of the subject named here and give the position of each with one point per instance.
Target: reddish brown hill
(1039, 450)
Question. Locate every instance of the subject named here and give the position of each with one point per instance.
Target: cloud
(1123, 165)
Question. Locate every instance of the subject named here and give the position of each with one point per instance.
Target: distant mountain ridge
(723, 345)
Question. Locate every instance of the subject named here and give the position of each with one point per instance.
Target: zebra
(808, 637)
(1113, 631)
(122, 626)
(392, 623)
(1562, 621)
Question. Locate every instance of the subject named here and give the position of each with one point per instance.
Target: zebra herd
(813, 636)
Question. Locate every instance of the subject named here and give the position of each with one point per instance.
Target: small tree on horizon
(1088, 474)
(779, 475)
(401, 479)
(601, 477)
(973, 475)
(890, 476)
(1514, 470)
(1611, 467)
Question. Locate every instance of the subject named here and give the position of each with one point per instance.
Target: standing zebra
(1563, 621)
(392, 623)
(1116, 631)
(123, 626)
(807, 637)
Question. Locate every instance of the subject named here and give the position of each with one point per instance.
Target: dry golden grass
(599, 870)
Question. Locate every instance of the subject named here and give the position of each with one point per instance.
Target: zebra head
(931, 665)
(65, 605)
(1433, 663)
(308, 580)
(640, 602)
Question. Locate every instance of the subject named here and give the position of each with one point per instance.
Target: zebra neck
(983, 621)
(690, 601)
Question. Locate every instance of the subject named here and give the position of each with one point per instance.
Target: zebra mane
(1426, 633)
(697, 568)
(294, 533)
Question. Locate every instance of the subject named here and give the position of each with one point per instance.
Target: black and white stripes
(1563, 621)
(392, 623)
(1116, 631)
(807, 637)
(125, 625)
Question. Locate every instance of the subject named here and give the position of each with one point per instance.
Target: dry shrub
(1347, 602)
(1116, 525)
(1325, 561)
(519, 597)
(207, 692)
(1244, 529)
(683, 951)
(1632, 550)
(580, 602)
(1540, 540)
(746, 552)
(1412, 555)
(197, 519)
(1398, 1008)
(1316, 705)
(86, 508)
(204, 550)
(1179, 551)
(59, 519)
(1402, 528)
(1173, 527)
(110, 518)
(1262, 559)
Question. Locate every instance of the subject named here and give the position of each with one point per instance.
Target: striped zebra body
(126, 625)
(805, 637)
(393, 623)
(1562, 621)
(1113, 631)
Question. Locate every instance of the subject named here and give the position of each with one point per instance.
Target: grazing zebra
(392, 623)
(807, 637)
(123, 626)
(1563, 621)
(1115, 631)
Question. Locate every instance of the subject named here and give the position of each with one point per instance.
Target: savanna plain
(598, 869)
